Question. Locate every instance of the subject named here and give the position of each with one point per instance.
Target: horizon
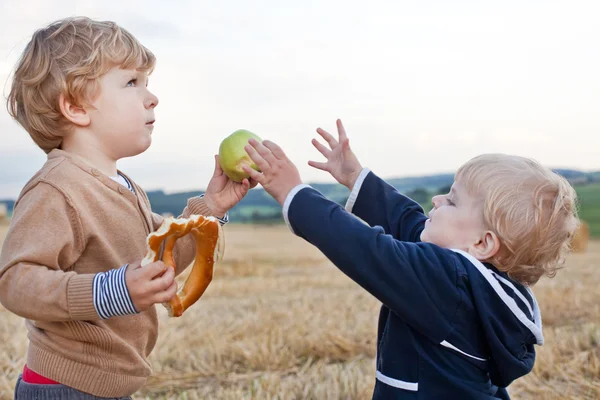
(331, 182)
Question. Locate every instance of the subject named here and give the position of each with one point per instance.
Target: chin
(135, 151)
(144, 145)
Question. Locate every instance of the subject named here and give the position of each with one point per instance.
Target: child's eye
(132, 82)
(450, 202)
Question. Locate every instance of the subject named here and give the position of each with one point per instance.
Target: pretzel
(208, 236)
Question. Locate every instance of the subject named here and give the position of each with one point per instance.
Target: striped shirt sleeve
(223, 220)
(111, 296)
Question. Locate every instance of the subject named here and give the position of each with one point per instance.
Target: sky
(421, 86)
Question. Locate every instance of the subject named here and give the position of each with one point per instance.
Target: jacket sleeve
(418, 281)
(44, 240)
(185, 247)
(380, 204)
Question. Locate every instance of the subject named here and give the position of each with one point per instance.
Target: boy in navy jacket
(458, 319)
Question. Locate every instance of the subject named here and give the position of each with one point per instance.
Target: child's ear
(486, 247)
(73, 112)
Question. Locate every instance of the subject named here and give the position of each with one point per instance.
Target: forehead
(116, 73)
(129, 71)
(460, 191)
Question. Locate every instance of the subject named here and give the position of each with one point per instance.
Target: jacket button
(121, 189)
(95, 172)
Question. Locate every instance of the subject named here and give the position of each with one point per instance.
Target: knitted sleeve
(45, 239)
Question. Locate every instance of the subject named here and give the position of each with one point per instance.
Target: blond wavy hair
(531, 209)
(67, 58)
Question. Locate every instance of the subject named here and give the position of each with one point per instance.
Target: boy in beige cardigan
(70, 263)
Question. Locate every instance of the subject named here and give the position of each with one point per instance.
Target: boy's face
(455, 221)
(122, 113)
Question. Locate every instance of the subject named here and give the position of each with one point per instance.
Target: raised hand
(341, 162)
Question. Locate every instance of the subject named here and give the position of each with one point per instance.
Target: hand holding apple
(278, 174)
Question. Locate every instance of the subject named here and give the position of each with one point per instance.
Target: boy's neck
(91, 155)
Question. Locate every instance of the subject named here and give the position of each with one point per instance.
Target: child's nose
(436, 201)
(151, 100)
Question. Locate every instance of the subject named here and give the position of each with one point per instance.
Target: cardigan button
(95, 172)
(121, 189)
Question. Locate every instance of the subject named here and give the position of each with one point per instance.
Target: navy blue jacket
(450, 327)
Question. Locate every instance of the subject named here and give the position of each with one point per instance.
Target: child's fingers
(163, 283)
(166, 295)
(252, 183)
(318, 165)
(345, 146)
(322, 149)
(262, 164)
(245, 186)
(341, 130)
(328, 138)
(275, 149)
(153, 270)
(264, 151)
(254, 175)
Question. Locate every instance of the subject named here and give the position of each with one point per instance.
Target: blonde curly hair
(531, 209)
(66, 58)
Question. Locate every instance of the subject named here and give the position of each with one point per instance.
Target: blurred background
(420, 86)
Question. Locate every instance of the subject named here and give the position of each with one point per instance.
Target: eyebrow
(129, 72)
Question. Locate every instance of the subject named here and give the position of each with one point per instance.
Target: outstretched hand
(341, 162)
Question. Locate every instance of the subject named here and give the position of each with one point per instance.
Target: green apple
(232, 155)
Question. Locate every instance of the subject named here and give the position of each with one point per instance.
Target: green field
(260, 208)
(250, 210)
(589, 206)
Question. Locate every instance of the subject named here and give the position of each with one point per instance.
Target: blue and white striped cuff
(223, 220)
(111, 297)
